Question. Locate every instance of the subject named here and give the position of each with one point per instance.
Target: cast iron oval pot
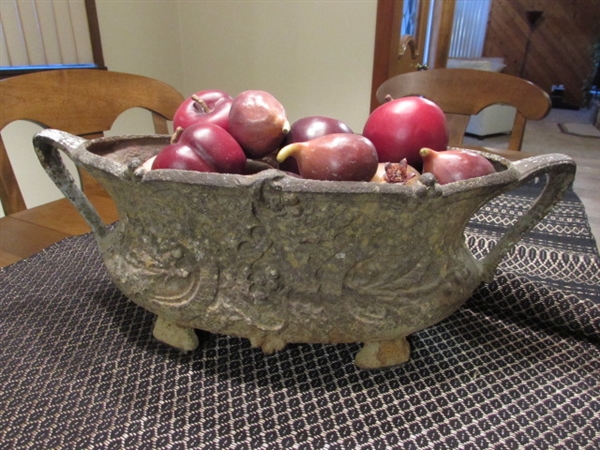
(278, 259)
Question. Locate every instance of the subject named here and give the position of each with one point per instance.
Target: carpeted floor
(580, 129)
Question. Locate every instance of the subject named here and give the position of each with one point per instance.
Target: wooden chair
(80, 101)
(461, 93)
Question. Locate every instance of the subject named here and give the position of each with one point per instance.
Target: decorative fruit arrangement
(401, 139)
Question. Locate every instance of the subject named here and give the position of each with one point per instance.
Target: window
(469, 28)
(44, 34)
(410, 17)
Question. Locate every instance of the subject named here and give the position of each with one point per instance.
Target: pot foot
(182, 338)
(380, 354)
(269, 344)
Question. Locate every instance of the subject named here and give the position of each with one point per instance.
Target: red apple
(203, 147)
(181, 157)
(402, 127)
(209, 106)
(312, 127)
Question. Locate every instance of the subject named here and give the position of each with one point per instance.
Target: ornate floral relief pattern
(265, 306)
(164, 270)
(252, 290)
(276, 256)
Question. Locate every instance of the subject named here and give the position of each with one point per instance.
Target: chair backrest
(461, 93)
(83, 102)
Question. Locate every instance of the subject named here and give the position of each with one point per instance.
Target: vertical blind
(469, 28)
(44, 32)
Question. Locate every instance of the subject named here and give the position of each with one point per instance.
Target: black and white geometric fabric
(517, 367)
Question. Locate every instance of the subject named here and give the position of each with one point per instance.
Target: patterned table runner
(517, 367)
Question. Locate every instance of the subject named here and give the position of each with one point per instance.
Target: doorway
(410, 35)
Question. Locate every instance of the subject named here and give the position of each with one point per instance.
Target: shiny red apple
(180, 157)
(312, 127)
(400, 128)
(203, 147)
(210, 106)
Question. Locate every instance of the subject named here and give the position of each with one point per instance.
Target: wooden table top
(28, 232)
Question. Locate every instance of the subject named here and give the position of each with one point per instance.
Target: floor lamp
(533, 18)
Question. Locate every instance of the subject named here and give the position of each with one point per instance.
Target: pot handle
(560, 170)
(46, 144)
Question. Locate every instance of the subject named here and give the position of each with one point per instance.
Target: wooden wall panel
(560, 44)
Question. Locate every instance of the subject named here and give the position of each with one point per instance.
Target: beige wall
(314, 56)
(142, 37)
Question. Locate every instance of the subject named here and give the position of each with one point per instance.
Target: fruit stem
(286, 127)
(288, 151)
(425, 152)
(176, 135)
(200, 103)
